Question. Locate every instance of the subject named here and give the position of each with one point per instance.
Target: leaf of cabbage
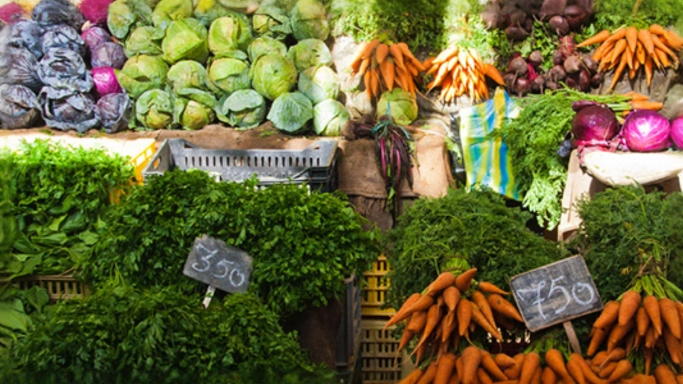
(291, 112)
(185, 40)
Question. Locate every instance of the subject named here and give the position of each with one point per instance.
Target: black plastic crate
(349, 335)
(315, 165)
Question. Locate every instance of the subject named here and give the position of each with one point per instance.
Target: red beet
(559, 25)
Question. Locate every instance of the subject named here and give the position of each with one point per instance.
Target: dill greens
(612, 14)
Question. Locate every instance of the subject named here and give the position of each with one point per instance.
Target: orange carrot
(602, 50)
(459, 366)
(417, 322)
(422, 304)
(635, 96)
(595, 39)
(531, 362)
(464, 280)
(504, 361)
(397, 55)
(413, 377)
(471, 358)
(480, 300)
(607, 370)
(483, 377)
(489, 364)
(536, 378)
(617, 74)
(554, 360)
(632, 37)
(657, 29)
(419, 353)
(367, 81)
(599, 335)
(440, 283)
(599, 358)
(679, 379)
(448, 325)
(660, 44)
(640, 53)
(513, 372)
(487, 287)
(617, 35)
(649, 354)
(434, 315)
(588, 373)
(608, 316)
(548, 376)
(464, 314)
(445, 368)
(388, 73)
(576, 371)
(670, 316)
(629, 305)
(679, 307)
(642, 321)
(663, 58)
(402, 314)
(663, 374)
(673, 345)
(451, 296)
(615, 355)
(649, 105)
(622, 369)
(455, 379)
(504, 307)
(381, 52)
(618, 50)
(406, 336)
(427, 63)
(618, 334)
(429, 374)
(479, 318)
(645, 37)
(674, 41)
(492, 72)
(651, 337)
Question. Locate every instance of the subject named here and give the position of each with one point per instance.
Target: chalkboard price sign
(555, 293)
(212, 262)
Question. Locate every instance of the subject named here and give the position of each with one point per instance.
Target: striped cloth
(485, 156)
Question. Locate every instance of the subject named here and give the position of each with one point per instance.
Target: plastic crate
(59, 287)
(380, 362)
(374, 293)
(315, 165)
(349, 335)
(141, 160)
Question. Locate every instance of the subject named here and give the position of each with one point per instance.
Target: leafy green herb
(541, 39)
(613, 14)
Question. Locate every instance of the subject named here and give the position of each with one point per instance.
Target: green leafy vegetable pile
(612, 14)
(475, 226)
(160, 335)
(303, 246)
(626, 232)
(52, 199)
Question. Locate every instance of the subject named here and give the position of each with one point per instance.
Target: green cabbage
(264, 45)
(119, 19)
(243, 109)
(329, 117)
(272, 75)
(185, 40)
(206, 11)
(142, 73)
(167, 11)
(229, 37)
(309, 20)
(291, 112)
(144, 40)
(319, 83)
(228, 75)
(185, 75)
(192, 114)
(271, 20)
(154, 109)
(309, 53)
(399, 104)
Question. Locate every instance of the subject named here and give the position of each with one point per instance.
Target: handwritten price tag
(555, 293)
(212, 262)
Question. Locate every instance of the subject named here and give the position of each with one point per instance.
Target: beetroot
(558, 58)
(572, 64)
(509, 79)
(522, 86)
(575, 16)
(597, 79)
(515, 33)
(535, 58)
(518, 66)
(557, 73)
(559, 25)
(551, 8)
(538, 84)
(517, 17)
(584, 80)
(589, 63)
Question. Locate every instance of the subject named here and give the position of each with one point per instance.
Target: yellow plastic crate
(374, 293)
(140, 161)
(380, 363)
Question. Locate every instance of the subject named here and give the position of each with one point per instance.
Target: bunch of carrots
(458, 71)
(635, 49)
(384, 66)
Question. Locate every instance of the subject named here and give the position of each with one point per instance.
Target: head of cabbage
(145, 40)
(142, 73)
(291, 112)
(399, 104)
(186, 74)
(319, 83)
(154, 110)
(185, 40)
(271, 20)
(120, 18)
(230, 36)
(329, 117)
(167, 11)
(192, 114)
(264, 45)
(309, 20)
(243, 109)
(310, 53)
(227, 75)
(272, 75)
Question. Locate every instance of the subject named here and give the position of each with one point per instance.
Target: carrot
(407, 53)
(479, 318)
(413, 377)
(419, 353)
(464, 280)
(459, 366)
(427, 63)
(663, 58)
(642, 321)
(679, 307)
(417, 322)
(442, 282)
(554, 360)
(619, 48)
(504, 361)
(663, 374)
(513, 372)
(448, 325)
(649, 354)
(670, 316)
(607, 370)
(674, 41)
(617, 74)
(632, 37)
(358, 56)
(609, 315)
(660, 44)
(480, 300)
(599, 335)
(531, 362)
(651, 337)
(588, 373)
(576, 371)
(429, 374)
(367, 80)
(504, 307)
(433, 317)
(615, 355)
(471, 358)
(455, 379)
(679, 379)
(451, 296)
(489, 364)
(629, 305)
(650, 105)
(381, 52)
(617, 35)
(645, 37)
(640, 53)
(422, 304)
(617, 334)
(548, 376)
(374, 81)
(673, 345)
(493, 73)
(406, 336)
(601, 51)
(464, 314)
(635, 96)
(445, 368)
(387, 70)
(536, 378)
(397, 55)
(402, 313)
(364, 65)
(483, 377)
(446, 54)
(595, 39)
(657, 29)
(622, 369)
(490, 288)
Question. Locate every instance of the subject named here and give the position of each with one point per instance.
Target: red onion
(594, 122)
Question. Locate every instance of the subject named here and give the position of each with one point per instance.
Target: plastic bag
(113, 111)
(108, 54)
(27, 34)
(54, 12)
(63, 36)
(19, 107)
(65, 110)
(64, 69)
(18, 66)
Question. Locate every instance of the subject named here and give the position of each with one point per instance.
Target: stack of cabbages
(190, 64)
(45, 76)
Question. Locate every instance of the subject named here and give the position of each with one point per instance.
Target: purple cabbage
(594, 124)
(63, 36)
(105, 81)
(27, 34)
(95, 11)
(113, 111)
(95, 36)
(677, 132)
(108, 54)
(646, 131)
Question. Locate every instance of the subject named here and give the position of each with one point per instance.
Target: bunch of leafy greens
(477, 227)
(17, 307)
(303, 246)
(160, 335)
(541, 39)
(625, 231)
(54, 196)
(613, 14)
(534, 138)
